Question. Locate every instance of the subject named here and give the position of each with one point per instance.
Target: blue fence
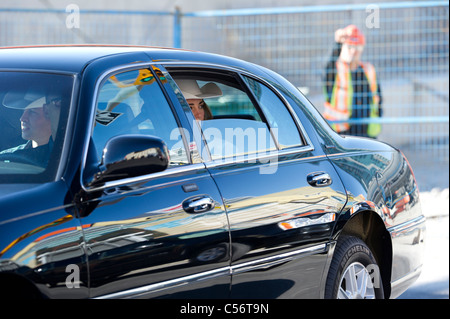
(406, 41)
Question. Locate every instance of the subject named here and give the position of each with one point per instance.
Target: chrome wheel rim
(356, 283)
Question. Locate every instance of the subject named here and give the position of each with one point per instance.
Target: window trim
(219, 76)
(308, 146)
(70, 124)
(303, 140)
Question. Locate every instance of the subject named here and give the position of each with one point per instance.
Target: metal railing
(407, 42)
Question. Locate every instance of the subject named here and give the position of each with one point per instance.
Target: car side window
(231, 124)
(132, 102)
(276, 113)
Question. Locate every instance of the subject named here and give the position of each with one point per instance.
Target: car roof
(74, 58)
(70, 58)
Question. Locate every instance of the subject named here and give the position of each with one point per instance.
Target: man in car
(36, 126)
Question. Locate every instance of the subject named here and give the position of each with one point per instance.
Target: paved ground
(433, 283)
(433, 179)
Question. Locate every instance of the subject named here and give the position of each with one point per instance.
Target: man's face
(351, 53)
(35, 126)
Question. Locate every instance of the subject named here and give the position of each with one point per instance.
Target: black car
(137, 172)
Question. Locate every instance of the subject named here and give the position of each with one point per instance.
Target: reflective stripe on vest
(337, 109)
(340, 106)
(373, 129)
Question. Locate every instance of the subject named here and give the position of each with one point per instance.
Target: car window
(232, 125)
(34, 108)
(132, 102)
(276, 113)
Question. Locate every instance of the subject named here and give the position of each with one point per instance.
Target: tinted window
(132, 103)
(276, 113)
(231, 124)
(33, 117)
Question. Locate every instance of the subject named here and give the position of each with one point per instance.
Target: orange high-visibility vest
(339, 108)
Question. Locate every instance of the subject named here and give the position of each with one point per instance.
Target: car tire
(353, 273)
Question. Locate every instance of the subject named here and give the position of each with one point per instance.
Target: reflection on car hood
(7, 189)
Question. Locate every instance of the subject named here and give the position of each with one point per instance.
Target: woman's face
(197, 108)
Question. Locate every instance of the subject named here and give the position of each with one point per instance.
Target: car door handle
(319, 179)
(198, 204)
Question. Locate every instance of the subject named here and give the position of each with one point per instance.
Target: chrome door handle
(319, 179)
(198, 204)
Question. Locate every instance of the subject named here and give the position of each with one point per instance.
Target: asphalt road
(433, 283)
(432, 176)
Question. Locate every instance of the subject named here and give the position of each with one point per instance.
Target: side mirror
(130, 156)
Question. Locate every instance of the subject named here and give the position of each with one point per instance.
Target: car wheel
(211, 254)
(354, 273)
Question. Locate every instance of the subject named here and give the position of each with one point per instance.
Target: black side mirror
(131, 156)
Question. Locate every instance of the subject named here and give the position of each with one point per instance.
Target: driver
(36, 126)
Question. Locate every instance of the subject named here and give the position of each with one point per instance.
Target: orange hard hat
(355, 36)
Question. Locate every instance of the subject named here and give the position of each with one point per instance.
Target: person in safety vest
(351, 87)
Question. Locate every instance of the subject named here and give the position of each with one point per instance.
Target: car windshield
(34, 108)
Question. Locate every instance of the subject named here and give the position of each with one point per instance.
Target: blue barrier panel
(313, 9)
(407, 42)
(395, 120)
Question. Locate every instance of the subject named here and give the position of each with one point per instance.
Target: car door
(163, 234)
(281, 193)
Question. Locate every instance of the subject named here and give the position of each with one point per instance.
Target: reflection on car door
(162, 234)
(277, 221)
(281, 205)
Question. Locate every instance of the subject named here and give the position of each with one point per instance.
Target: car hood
(17, 201)
(7, 189)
